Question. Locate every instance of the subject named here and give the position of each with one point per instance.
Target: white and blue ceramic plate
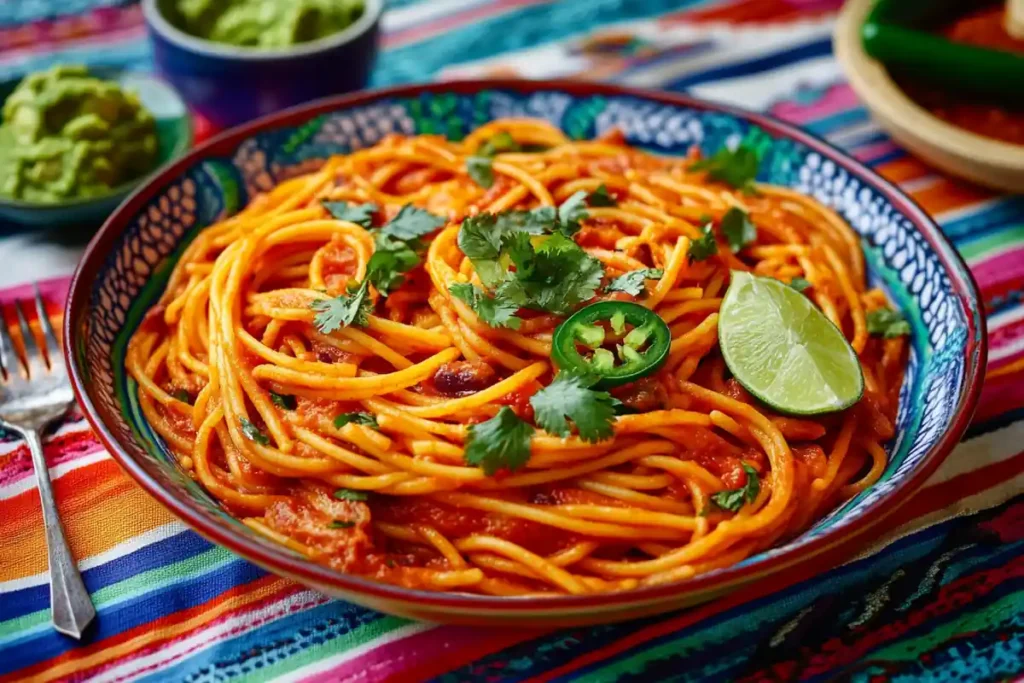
(128, 262)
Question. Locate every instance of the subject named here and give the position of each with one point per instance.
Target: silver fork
(32, 395)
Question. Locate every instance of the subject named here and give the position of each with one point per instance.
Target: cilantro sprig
(705, 246)
(570, 397)
(286, 401)
(493, 311)
(737, 168)
(365, 419)
(360, 214)
(738, 229)
(887, 323)
(351, 494)
(500, 443)
(552, 274)
(397, 249)
(601, 197)
(635, 281)
(253, 433)
(346, 310)
(734, 499)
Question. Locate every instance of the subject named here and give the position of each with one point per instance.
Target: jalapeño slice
(582, 344)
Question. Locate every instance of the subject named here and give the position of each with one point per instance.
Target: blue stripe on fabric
(144, 609)
(269, 643)
(178, 547)
(1006, 213)
(128, 54)
(760, 65)
(834, 122)
(535, 25)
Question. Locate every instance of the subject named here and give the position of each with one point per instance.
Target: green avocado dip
(67, 135)
(266, 23)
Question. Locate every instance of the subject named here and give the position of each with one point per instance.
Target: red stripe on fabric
(932, 498)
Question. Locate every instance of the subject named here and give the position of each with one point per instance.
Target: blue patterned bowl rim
(126, 263)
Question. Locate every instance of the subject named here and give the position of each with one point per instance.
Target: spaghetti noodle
(345, 369)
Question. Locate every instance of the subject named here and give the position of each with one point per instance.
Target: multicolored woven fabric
(940, 598)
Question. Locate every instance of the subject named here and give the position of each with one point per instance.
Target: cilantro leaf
(412, 223)
(480, 170)
(391, 259)
(887, 323)
(345, 310)
(705, 246)
(600, 197)
(800, 284)
(738, 229)
(498, 143)
(733, 167)
(341, 524)
(734, 499)
(501, 443)
(634, 282)
(358, 418)
(183, 396)
(572, 211)
(570, 396)
(285, 401)
(253, 433)
(481, 237)
(563, 276)
(351, 494)
(360, 214)
(495, 311)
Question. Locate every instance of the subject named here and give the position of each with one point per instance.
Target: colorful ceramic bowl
(127, 264)
(229, 85)
(174, 134)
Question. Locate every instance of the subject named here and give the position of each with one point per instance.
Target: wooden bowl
(990, 162)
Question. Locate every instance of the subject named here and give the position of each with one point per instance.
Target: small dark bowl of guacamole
(237, 60)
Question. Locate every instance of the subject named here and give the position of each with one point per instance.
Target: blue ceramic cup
(229, 85)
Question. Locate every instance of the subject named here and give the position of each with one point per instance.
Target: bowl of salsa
(950, 92)
(237, 60)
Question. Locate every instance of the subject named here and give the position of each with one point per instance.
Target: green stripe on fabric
(146, 582)
(1008, 237)
(355, 638)
(987, 618)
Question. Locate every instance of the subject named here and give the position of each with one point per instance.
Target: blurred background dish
(931, 95)
(229, 84)
(64, 165)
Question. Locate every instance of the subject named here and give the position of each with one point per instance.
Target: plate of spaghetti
(525, 352)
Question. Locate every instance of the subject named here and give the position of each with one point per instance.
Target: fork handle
(70, 606)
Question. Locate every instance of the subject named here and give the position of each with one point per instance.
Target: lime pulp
(783, 349)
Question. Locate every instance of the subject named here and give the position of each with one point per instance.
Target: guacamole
(67, 135)
(266, 23)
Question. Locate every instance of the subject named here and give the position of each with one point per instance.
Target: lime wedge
(783, 349)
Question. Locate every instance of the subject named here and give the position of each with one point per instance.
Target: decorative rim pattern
(824, 172)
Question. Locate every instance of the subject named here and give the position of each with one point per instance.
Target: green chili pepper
(643, 350)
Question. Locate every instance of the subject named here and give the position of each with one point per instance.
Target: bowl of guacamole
(74, 142)
(265, 24)
(237, 60)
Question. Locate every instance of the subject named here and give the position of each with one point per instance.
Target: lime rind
(782, 349)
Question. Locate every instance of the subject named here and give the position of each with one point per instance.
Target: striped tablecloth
(941, 598)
